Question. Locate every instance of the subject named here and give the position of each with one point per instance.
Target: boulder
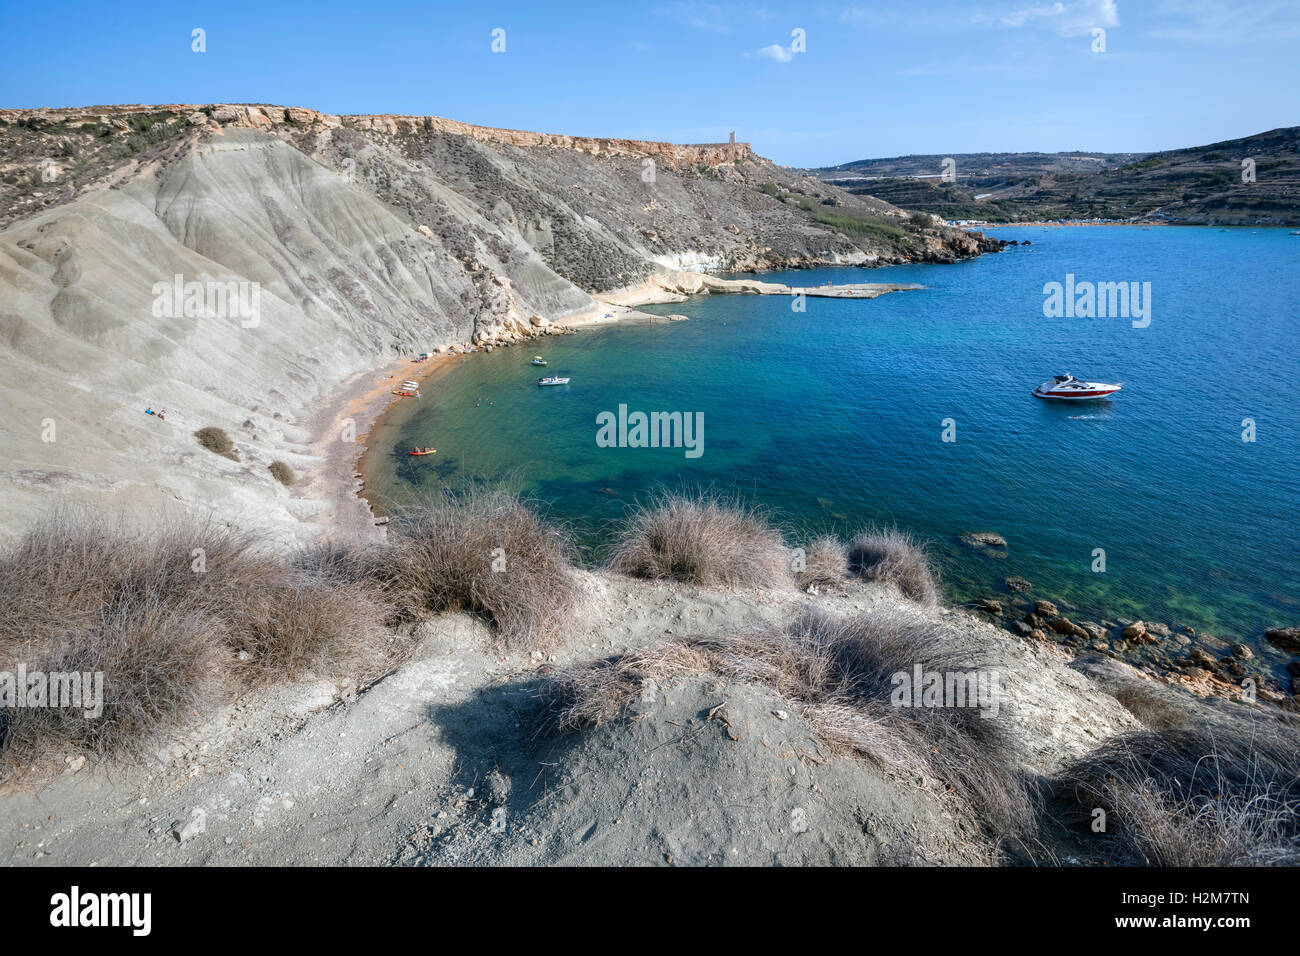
(1063, 625)
(1287, 638)
(1135, 631)
(1016, 583)
(990, 606)
(983, 539)
(1045, 608)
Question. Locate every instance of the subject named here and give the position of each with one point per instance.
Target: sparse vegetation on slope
(896, 558)
(282, 473)
(702, 540)
(839, 672)
(825, 563)
(177, 621)
(217, 441)
(1224, 795)
(487, 553)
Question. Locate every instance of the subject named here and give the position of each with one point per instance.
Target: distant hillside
(1201, 184)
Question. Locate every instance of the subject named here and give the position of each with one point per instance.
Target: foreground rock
(444, 761)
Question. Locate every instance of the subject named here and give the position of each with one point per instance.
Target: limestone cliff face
(360, 239)
(266, 117)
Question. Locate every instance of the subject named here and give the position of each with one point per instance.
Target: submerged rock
(1287, 638)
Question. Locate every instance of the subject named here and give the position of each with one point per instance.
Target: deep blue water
(831, 420)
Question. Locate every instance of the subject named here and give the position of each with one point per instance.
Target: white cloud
(781, 54)
(1067, 19)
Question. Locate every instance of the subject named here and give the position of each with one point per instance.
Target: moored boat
(552, 380)
(1070, 389)
(538, 360)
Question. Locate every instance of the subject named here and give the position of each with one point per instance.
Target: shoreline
(370, 408)
(364, 400)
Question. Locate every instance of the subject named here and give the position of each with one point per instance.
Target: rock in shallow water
(1287, 638)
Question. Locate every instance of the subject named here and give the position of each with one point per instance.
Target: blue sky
(874, 78)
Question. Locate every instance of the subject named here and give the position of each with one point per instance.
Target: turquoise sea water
(831, 419)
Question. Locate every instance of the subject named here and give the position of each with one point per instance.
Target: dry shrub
(295, 626)
(160, 664)
(701, 540)
(1151, 707)
(217, 441)
(63, 575)
(488, 553)
(894, 557)
(164, 616)
(825, 563)
(1195, 796)
(596, 694)
(282, 473)
(838, 672)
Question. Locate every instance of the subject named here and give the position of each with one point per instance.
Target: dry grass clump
(839, 673)
(282, 473)
(160, 664)
(294, 626)
(593, 695)
(1195, 796)
(825, 563)
(217, 441)
(895, 557)
(488, 553)
(1151, 707)
(701, 540)
(176, 620)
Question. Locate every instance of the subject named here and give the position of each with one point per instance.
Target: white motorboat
(1070, 389)
(552, 380)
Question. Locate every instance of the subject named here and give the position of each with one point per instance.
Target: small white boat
(552, 380)
(410, 385)
(538, 360)
(1070, 389)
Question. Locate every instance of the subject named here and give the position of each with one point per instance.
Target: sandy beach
(340, 431)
